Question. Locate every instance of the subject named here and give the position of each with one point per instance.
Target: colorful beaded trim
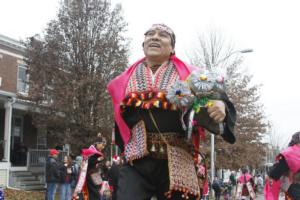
(147, 100)
(182, 173)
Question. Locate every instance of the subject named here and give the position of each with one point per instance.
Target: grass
(11, 194)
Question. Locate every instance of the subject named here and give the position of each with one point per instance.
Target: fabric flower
(206, 83)
(180, 94)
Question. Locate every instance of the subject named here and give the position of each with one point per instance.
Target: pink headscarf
(117, 88)
(90, 151)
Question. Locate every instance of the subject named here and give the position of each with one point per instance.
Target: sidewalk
(260, 196)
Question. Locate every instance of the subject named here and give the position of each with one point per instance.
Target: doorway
(18, 149)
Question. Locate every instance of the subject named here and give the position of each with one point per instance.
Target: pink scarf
(271, 192)
(242, 178)
(292, 157)
(117, 88)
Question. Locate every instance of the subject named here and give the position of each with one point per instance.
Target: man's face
(157, 45)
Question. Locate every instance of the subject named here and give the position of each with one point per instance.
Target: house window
(23, 77)
(47, 98)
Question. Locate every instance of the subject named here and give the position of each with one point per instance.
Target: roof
(12, 43)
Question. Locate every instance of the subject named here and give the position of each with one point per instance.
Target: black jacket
(66, 177)
(170, 121)
(52, 170)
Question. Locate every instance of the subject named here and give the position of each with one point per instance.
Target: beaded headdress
(165, 28)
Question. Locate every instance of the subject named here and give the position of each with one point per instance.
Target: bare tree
(212, 52)
(70, 67)
(217, 54)
(276, 144)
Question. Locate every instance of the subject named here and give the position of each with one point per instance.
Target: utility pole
(212, 136)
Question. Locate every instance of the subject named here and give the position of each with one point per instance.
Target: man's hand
(217, 111)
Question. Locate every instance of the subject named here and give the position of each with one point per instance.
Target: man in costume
(150, 130)
(245, 186)
(285, 174)
(90, 181)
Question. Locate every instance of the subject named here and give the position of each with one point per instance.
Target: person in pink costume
(285, 173)
(245, 186)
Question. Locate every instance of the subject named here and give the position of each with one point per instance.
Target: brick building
(22, 145)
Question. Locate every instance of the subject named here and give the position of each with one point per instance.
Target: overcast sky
(269, 27)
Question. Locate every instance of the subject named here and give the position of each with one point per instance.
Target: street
(259, 197)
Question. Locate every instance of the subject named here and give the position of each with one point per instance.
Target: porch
(23, 147)
(31, 176)
(18, 135)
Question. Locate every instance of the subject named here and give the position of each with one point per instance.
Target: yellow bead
(209, 104)
(138, 103)
(203, 77)
(156, 104)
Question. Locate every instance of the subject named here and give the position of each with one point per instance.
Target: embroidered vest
(143, 81)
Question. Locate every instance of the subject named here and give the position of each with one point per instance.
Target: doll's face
(100, 146)
(107, 164)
